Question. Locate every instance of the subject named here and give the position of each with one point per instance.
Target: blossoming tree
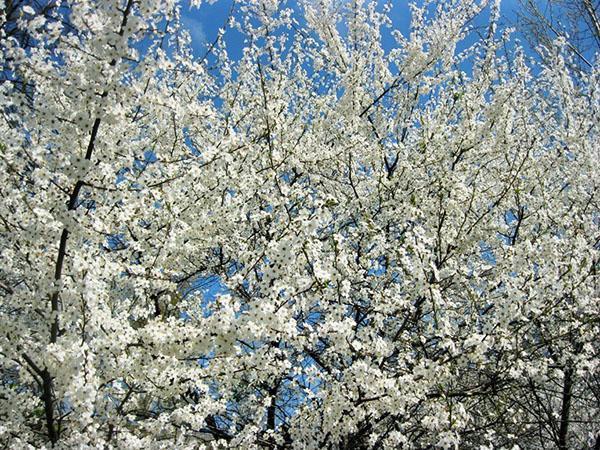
(407, 234)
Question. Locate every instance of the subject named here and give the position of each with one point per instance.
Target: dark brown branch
(565, 409)
(47, 388)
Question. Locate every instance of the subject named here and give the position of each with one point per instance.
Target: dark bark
(565, 409)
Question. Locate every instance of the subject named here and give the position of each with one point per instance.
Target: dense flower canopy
(406, 239)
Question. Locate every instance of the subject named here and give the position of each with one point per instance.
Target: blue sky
(204, 23)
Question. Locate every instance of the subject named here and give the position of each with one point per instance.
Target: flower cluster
(327, 242)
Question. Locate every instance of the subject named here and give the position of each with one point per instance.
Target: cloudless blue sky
(204, 23)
